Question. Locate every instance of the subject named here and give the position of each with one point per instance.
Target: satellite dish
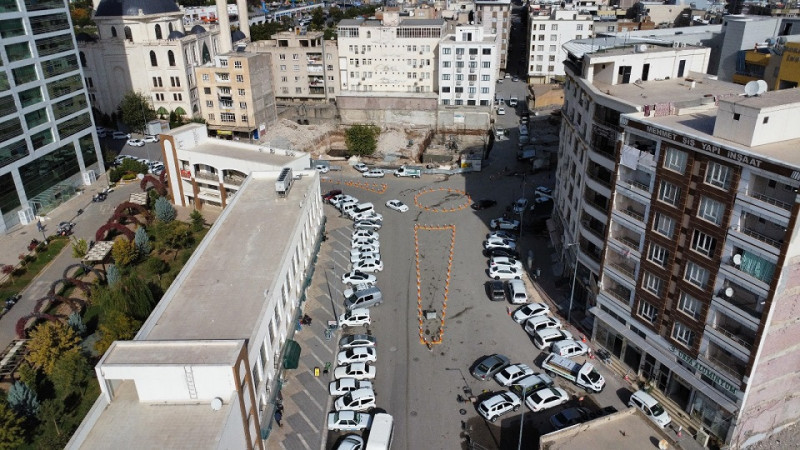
(762, 87)
(216, 403)
(751, 88)
(737, 260)
(729, 292)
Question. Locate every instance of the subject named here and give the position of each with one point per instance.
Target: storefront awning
(291, 356)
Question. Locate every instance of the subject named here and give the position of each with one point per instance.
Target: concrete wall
(384, 110)
(458, 120)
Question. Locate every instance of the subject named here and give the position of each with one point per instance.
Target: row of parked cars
(352, 385)
(154, 167)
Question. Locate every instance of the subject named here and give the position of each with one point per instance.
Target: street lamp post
(521, 417)
(572, 290)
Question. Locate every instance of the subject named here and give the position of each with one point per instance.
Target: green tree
(130, 296)
(156, 266)
(48, 342)
(361, 139)
(124, 252)
(113, 275)
(22, 399)
(12, 434)
(178, 237)
(329, 34)
(136, 111)
(198, 222)
(317, 19)
(263, 32)
(165, 212)
(142, 241)
(29, 375)
(52, 413)
(79, 248)
(116, 326)
(75, 321)
(70, 374)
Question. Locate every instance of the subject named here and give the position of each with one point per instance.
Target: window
(242, 105)
(710, 210)
(446, 64)
(207, 90)
(237, 64)
(675, 160)
(209, 104)
(669, 193)
(298, 90)
(486, 64)
(696, 275)
(652, 283)
(228, 117)
(171, 58)
(658, 254)
(541, 26)
(485, 78)
(554, 27)
(689, 305)
(445, 89)
(153, 59)
(205, 77)
(664, 225)
(683, 334)
(736, 116)
(446, 50)
(486, 51)
(554, 37)
(296, 68)
(240, 78)
(282, 56)
(703, 243)
(283, 67)
(718, 175)
(241, 92)
(445, 76)
(647, 311)
(579, 27)
(244, 118)
(295, 56)
(484, 90)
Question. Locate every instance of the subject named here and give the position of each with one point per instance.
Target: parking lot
(419, 380)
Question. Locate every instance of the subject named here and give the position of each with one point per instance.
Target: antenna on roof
(751, 89)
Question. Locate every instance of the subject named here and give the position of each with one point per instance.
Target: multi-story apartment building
(142, 46)
(495, 16)
(549, 29)
(389, 56)
(48, 144)
(679, 195)
(305, 67)
(204, 372)
(467, 67)
(235, 100)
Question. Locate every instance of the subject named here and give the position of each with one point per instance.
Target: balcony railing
(600, 235)
(606, 183)
(756, 235)
(728, 365)
(600, 206)
(618, 293)
(734, 336)
(634, 213)
(624, 268)
(211, 176)
(770, 200)
(233, 180)
(629, 242)
(638, 185)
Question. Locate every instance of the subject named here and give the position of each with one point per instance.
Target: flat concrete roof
(674, 90)
(785, 98)
(127, 423)
(173, 353)
(222, 291)
(628, 429)
(238, 152)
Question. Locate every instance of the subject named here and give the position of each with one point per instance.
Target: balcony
(733, 330)
(762, 230)
(626, 237)
(639, 180)
(737, 297)
(593, 226)
(770, 193)
(604, 142)
(621, 264)
(630, 208)
(723, 360)
(597, 200)
(210, 176)
(233, 177)
(617, 291)
(226, 105)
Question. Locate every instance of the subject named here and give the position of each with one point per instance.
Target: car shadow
(624, 394)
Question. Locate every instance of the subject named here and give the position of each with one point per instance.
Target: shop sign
(705, 370)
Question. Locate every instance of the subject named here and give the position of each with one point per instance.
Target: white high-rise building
(549, 29)
(495, 17)
(48, 143)
(467, 67)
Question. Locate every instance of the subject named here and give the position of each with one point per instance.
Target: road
(420, 386)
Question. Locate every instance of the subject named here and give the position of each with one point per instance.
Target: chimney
(244, 17)
(225, 45)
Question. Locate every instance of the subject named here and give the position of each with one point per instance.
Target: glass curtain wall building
(48, 143)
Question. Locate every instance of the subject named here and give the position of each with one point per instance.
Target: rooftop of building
(675, 90)
(221, 291)
(403, 23)
(151, 353)
(115, 8)
(617, 44)
(127, 423)
(625, 429)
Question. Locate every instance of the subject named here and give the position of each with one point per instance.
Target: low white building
(467, 67)
(206, 171)
(203, 371)
(549, 29)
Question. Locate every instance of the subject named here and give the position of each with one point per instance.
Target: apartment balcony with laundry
(771, 196)
(748, 264)
(617, 291)
(628, 209)
(768, 234)
(639, 155)
(626, 237)
(731, 330)
(316, 80)
(745, 302)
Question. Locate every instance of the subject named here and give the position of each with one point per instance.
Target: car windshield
(657, 409)
(593, 376)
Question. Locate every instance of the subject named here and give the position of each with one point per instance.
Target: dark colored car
(330, 194)
(496, 291)
(483, 204)
(499, 251)
(569, 417)
(490, 365)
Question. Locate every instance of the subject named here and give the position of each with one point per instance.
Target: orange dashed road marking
(442, 210)
(437, 339)
(378, 188)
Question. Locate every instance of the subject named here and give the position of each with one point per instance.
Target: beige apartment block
(305, 67)
(236, 95)
(495, 16)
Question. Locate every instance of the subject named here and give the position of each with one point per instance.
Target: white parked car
(356, 277)
(358, 400)
(357, 354)
(503, 235)
(366, 233)
(504, 273)
(546, 398)
(345, 385)
(351, 442)
(505, 261)
(524, 313)
(356, 255)
(520, 205)
(348, 421)
(361, 241)
(150, 138)
(368, 215)
(537, 323)
(119, 135)
(136, 142)
(354, 318)
(504, 224)
(544, 190)
(361, 167)
(370, 265)
(368, 224)
(497, 405)
(374, 173)
(501, 111)
(359, 371)
(357, 340)
(496, 242)
(512, 374)
(397, 205)
(322, 168)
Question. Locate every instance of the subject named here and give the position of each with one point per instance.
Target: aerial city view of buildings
(625, 174)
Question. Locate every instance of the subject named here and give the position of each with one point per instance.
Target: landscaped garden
(90, 307)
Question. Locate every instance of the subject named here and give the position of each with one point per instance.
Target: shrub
(129, 176)
(112, 275)
(79, 248)
(142, 241)
(197, 220)
(114, 175)
(165, 212)
(362, 140)
(124, 252)
(23, 400)
(76, 323)
(156, 266)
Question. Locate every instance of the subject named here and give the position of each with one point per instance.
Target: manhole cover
(463, 411)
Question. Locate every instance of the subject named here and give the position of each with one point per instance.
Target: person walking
(278, 417)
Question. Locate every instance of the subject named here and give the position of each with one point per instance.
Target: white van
(650, 407)
(381, 432)
(516, 292)
(569, 348)
(544, 338)
(360, 209)
(347, 207)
